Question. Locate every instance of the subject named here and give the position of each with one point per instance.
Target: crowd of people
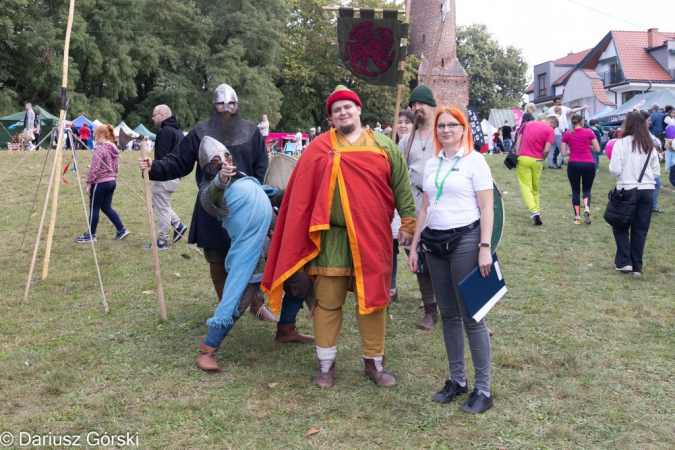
(353, 187)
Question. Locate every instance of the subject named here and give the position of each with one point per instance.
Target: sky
(531, 25)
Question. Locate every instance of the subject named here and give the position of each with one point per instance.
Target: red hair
(467, 140)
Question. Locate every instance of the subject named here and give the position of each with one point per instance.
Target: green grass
(583, 357)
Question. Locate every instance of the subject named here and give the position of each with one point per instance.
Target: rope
(86, 217)
(27, 153)
(32, 208)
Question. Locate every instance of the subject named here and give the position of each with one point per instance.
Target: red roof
(561, 79)
(530, 88)
(636, 62)
(598, 88)
(572, 59)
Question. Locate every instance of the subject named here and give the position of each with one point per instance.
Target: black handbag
(443, 242)
(511, 160)
(622, 204)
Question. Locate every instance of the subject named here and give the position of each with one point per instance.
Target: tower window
(424, 38)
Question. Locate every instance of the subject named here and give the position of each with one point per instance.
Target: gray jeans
(446, 273)
(161, 203)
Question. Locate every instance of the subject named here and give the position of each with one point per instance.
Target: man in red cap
(342, 196)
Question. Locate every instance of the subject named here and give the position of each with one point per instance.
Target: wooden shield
(500, 217)
(279, 171)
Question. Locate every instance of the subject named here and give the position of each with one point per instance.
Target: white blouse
(457, 206)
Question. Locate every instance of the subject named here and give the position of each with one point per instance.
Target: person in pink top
(578, 144)
(101, 183)
(532, 146)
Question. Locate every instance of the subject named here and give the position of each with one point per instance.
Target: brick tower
(449, 80)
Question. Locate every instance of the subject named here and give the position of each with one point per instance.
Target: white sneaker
(625, 269)
(534, 214)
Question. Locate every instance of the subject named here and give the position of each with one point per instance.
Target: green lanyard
(440, 188)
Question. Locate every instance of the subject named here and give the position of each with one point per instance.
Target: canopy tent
(499, 116)
(49, 121)
(488, 132)
(82, 120)
(604, 111)
(140, 129)
(97, 122)
(641, 102)
(128, 131)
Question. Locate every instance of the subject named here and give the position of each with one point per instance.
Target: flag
(518, 117)
(476, 129)
(371, 48)
(445, 9)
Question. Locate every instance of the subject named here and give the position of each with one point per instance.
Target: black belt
(463, 229)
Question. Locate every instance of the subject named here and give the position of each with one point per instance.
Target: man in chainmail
(249, 154)
(423, 105)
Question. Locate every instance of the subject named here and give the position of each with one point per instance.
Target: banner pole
(399, 92)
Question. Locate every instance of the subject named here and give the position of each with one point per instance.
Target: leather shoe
(289, 334)
(477, 403)
(450, 390)
(259, 309)
(383, 378)
(325, 379)
(206, 360)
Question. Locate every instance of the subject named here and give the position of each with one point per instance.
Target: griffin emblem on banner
(367, 42)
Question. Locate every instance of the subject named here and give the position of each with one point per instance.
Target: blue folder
(481, 294)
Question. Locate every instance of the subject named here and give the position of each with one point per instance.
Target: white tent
(128, 131)
(97, 122)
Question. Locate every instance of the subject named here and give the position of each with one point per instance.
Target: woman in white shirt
(628, 158)
(457, 218)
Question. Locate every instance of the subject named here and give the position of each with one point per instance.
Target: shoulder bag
(622, 203)
(511, 159)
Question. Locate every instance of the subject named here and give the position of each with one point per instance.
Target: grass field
(583, 357)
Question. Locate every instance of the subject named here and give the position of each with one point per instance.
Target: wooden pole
(433, 54)
(399, 91)
(39, 234)
(153, 237)
(59, 146)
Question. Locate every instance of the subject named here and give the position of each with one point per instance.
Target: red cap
(341, 93)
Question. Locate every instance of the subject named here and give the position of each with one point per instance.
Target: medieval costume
(334, 224)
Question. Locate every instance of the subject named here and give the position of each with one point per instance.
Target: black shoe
(560, 167)
(477, 403)
(451, 389)
(537, 220)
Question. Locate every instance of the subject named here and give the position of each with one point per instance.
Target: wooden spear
(59, 146)
(399, 92)
(153, 237)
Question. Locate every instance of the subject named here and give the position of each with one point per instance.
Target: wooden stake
(399, 91)
(59, 146)
(153, 237)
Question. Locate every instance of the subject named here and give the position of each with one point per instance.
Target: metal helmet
(224, 94)
(209, 148)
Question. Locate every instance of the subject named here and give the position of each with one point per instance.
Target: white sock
(326, 357)
(462, 383)
(487, 394)
(378, 362)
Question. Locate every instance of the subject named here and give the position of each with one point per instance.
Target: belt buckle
(333, 152)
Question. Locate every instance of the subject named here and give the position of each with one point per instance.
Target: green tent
(49, 121)
(145, 132)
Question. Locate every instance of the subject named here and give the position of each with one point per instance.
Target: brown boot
(288, 333)
(382, 379)
(206, 360)
(259, 309)
(430, 317)
(325, 379)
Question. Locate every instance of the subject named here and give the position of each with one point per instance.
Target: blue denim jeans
(446, 273)
(558, 143)
(657, 187)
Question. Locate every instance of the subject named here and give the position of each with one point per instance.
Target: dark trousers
(581, 176)
(630, 243)
(100, 199)
(671, 176)
(425, 285)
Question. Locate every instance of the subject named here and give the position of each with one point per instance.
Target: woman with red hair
(454, 228)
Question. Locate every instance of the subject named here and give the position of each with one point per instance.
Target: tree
(497, 76)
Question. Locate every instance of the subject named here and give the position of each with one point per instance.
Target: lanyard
(440, 188)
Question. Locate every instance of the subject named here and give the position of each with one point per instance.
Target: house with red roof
(623, 64)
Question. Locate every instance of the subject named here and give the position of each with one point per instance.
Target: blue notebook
(481, 294)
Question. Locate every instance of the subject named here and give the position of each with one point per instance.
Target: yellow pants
(528, 171)
(331, 293)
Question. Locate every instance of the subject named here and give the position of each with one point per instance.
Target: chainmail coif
(227, 128)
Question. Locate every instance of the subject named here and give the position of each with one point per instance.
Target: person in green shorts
(533, 145)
